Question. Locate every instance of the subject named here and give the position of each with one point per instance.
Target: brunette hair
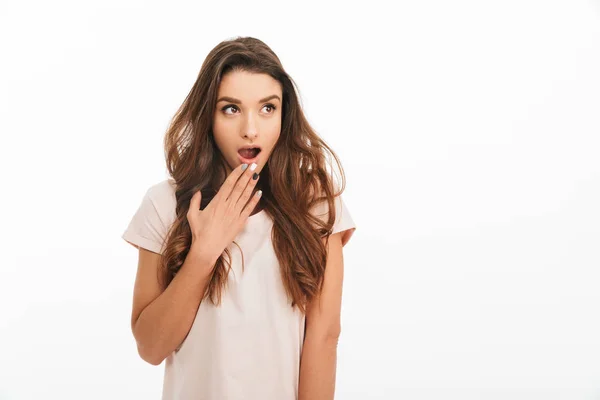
(294, 179)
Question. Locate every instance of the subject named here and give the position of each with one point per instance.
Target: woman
(239, 278)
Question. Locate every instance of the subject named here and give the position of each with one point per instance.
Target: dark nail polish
(255, 176)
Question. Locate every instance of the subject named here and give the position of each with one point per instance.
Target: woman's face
(247, 114)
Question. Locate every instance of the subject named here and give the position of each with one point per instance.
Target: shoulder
(162, 196)
(321, 206)
(162, 190)
(343, 221)
(155, 215)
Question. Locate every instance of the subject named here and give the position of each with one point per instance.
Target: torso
(249, 346)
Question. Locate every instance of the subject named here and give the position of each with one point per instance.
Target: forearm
(164, 323)
(318, 368)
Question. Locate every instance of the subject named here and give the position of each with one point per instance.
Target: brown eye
(272, 107)
(227, 107)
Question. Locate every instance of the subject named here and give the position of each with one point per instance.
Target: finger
(251, 204)
(247, 192)
(241, 184)
(229, 183)
(195, 201)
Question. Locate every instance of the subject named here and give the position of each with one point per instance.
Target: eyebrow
(236, 101)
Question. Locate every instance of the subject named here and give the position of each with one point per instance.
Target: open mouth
(249, 153)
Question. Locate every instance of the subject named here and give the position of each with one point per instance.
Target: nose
(251, 127)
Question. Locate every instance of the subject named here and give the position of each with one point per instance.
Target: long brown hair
(293, 180)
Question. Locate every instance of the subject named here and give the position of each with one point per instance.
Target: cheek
(221, 123)
(221, 142)
(221, 132)
(272, 140)
(273, 132)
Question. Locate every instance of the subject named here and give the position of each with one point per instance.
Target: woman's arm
(160, 320)
(319, 352)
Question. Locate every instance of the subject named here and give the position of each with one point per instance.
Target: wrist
(202, 254)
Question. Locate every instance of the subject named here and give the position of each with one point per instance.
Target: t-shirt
(249, 346)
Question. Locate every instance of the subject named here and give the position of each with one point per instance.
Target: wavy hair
(294, 179)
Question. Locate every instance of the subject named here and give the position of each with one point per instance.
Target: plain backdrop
(469, 132)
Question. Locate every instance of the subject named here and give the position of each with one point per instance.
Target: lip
(248, 160)
(250, 146)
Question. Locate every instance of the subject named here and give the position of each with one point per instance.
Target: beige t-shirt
(249, 346)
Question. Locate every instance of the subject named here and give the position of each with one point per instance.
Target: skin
(252, 121)
(241, 118)
(319, 354)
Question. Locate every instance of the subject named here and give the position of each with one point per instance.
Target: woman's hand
(215, 227)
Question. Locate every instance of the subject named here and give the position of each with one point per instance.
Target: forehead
(248, 86)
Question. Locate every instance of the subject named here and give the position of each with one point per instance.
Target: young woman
(239, 278)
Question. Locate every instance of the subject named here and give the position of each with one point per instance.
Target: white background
(469, 133)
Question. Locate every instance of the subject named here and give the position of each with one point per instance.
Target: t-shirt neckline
(257, 215)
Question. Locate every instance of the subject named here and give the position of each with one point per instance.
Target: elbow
(332, 336)
(146, 350)
(154, 361)
(151, 357)
(332, 331)
(326, 337)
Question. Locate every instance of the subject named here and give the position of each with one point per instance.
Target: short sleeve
(150, 223)
(343, 220)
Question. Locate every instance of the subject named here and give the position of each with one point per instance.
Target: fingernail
(244, 166)
(255, 176)
(253, 167)
(259, 193)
